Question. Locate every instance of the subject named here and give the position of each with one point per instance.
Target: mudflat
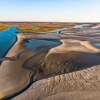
(51, 67)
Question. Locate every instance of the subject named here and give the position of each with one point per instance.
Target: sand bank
(70, 68)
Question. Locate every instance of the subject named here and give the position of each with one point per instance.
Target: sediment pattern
(69, 70)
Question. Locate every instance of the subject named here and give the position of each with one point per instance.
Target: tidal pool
(34, 43)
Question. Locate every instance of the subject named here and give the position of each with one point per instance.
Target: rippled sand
(51, 67)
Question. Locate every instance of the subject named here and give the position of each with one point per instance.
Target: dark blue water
(7, 39)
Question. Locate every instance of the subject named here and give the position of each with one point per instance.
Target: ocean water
(7, 39)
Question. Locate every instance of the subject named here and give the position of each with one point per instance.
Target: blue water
(33, 44)
(7, 39)
(97, 44)
(76, 26)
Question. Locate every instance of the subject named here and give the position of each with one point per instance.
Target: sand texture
(55, 68)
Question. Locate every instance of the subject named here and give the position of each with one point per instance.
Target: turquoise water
(7, 39)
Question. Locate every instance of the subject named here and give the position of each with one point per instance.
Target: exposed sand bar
(63, 84)
(13, 77)
(72, 66)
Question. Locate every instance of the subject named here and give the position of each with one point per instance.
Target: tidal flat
(63, 64)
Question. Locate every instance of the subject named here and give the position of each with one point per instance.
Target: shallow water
(96, 44)
(7, 39)
(34, 43)
(76, 26)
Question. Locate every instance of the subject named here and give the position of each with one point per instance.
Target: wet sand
(56, 68)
